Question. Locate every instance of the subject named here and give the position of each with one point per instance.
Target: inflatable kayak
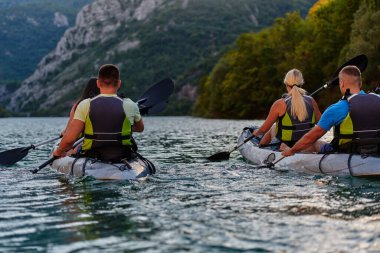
(331, 164)
(134, 168)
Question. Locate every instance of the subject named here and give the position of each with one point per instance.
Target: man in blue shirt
(349, 79)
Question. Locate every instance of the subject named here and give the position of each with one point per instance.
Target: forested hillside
(29, 29)
(149, 40)
(248, 78)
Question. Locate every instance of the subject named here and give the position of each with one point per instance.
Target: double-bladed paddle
(225, 155)
(53, 158)
(150, 102)
(359, 61)
(12, 156)
(155, 98)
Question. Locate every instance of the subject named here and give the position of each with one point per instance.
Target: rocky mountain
(148, 40)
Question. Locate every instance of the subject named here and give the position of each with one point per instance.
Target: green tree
(247, 79)
(365, 38)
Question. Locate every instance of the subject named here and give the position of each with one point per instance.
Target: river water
(190, 205)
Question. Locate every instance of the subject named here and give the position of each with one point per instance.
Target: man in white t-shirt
(106, 121)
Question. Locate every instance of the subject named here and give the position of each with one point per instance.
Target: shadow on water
(77, 214)
(101, 215)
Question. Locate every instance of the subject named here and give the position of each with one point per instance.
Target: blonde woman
(294, 115)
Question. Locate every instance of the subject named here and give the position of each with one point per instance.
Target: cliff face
(94, 23)
(147, 39)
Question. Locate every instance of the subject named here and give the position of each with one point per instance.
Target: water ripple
(190, 205)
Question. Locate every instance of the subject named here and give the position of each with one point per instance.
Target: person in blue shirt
(354, 116)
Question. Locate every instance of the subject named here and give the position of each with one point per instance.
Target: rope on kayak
(148, 163)
(84, 166)
(349, 164)
(124, 167)
(320, 163)
(72, 166)
(121, 168)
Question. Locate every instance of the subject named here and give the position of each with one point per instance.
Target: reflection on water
(189, 205)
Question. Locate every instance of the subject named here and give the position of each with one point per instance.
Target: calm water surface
(190, 205)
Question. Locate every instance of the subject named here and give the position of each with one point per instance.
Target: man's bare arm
(138, 126)
(74, 130)
(306, 141)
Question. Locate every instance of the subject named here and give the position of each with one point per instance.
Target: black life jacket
(107, 131)
(361, 123)
(288, 128)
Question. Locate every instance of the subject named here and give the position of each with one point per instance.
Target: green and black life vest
(106, 126)
(362, 121)
(288, 128)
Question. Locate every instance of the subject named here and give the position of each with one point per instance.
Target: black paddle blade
(156, 95)
(12, 156)
(157, 108)
(153, 109)
(219, 157)
(360, 61)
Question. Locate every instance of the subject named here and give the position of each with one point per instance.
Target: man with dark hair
(109, 74)
(106, 120)
(354, 117)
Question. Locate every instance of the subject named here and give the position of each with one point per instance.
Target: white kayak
(331, 164)
(136, 168)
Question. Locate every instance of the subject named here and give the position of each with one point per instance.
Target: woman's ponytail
(294, 80)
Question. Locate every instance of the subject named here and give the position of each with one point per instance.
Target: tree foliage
(27, 33)
(365, 38)
(248, 78)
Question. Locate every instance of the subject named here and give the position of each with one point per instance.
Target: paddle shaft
(10, 157)
(279, 159)
(319, 90)
(359, 61)
(244, 142)
(46, 142)
(52, 159)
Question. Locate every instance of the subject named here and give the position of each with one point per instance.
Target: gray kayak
(331, 164)
(137, 167)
